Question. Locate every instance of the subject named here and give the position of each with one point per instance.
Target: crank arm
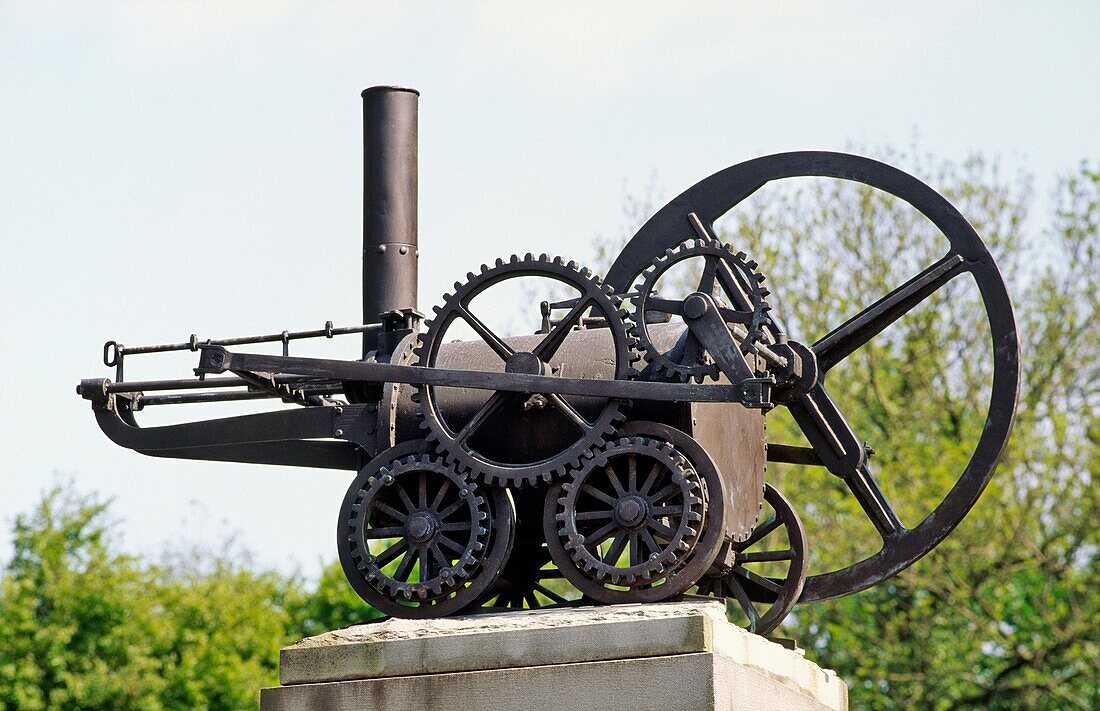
(841, 452)
(215, 359)
(705, 322)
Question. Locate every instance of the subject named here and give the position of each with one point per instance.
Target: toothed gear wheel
(640, 497)
(459, 442)
(418, 512)
(728, 276)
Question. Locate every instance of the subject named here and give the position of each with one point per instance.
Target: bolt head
(695, 306)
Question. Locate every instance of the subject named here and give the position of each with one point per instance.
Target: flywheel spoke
(494, 403)
(853, 333)
(546, 348)
(874, 503)
(569, 411)
(494, 341)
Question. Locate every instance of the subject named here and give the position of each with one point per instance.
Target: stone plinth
(681, 655)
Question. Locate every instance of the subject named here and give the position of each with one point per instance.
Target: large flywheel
(837, 448)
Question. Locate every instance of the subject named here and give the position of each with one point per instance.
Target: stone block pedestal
(679, 655)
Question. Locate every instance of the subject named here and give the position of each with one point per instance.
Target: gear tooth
(559, 261)
(514, 259)
(571, 265)
(741, 255)
(586, 272)
(470, 276)
(544, 257)
(752, 264)
(760, 278)
(499, 262)
(528, 257)
(484, 268)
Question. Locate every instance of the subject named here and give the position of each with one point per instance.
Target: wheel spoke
(706, 279)
(494, 341)
(385, 532)
(766, 583)
(569, 411)
(531, 600)
(459, 526)
(765, 556)
(650, 479)
(761, 531)
(853, 333)
(390, 511)
(674, 307)
(450, 509)
(650, 542)
(456, 547)
(491, 405)
(874, 503)
(614, 479)
(439, 494)
(549, 593)
(594, 515)
(662, 529)
(666, 510)
(664, 493)
(599, 536)
(546, 349)
(635, 549)
(409, 505)
(734, 586)
(594, 492)
(632, 474)
(444, 561)
(422, 491)
(617, 547)
(425, 570)
(387, 556)
(404, 569)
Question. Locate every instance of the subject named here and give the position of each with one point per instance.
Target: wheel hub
(523, 362)
(631, 512)
(420, 527)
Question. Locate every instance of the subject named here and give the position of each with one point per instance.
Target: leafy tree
(82, 626)
(1004, 614)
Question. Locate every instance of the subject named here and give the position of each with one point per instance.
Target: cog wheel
(582, 423)
(633, 514)
(420, 514)
(729, 277)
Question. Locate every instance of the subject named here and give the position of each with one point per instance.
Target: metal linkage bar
(114, 352)
(215, 359)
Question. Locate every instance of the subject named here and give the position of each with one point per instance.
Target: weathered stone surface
(673, 655)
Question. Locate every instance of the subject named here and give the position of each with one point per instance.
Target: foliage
(1004, 614)
(82, 626)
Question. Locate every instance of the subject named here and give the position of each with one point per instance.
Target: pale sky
(168, 169)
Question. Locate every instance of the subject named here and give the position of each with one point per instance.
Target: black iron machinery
(616, 454)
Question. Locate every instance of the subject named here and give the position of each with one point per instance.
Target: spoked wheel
(835, 445)
(642, 521)
(769, 568)
(417, 539)
(548, 433)
(529, 580)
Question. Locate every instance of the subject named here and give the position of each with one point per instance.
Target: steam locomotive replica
(616, 454)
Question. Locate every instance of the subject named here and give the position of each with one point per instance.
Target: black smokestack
(389, 203)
